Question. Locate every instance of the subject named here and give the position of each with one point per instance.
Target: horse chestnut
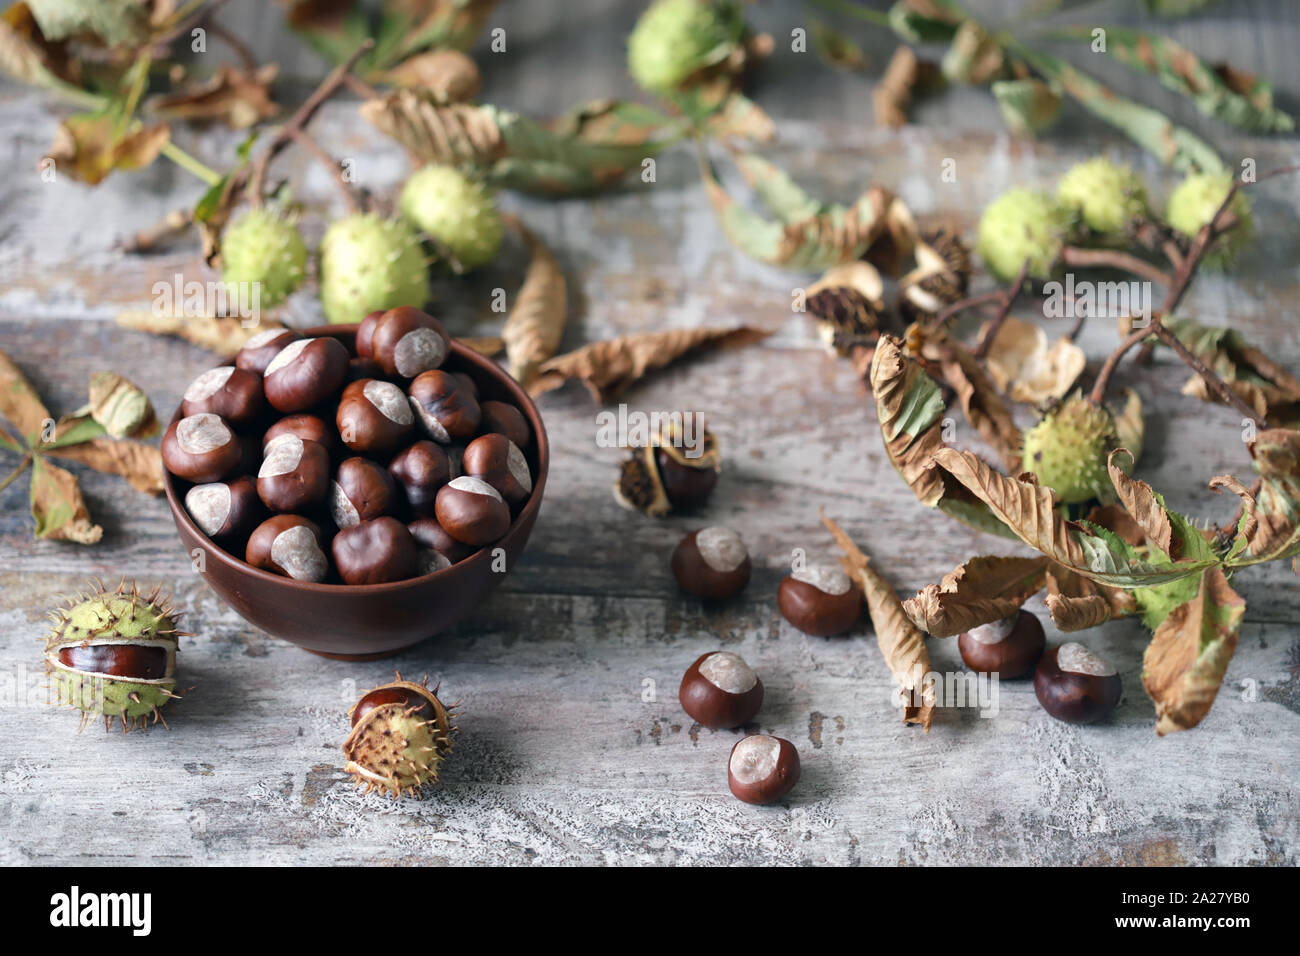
(305, 373)
(365, 331)
(720, 691)
(431, 536)
(258, 351)
(295, 474)
(499, 462)
(232, 393)
(762, 769)
(712, 563)
(200, 448)
(820, 599)
(501, 418)
(406, 342)
(421, 470)
(306, 427)
(472, 511)
(375, 552)
(447, 409)
(373, 417)
(1009, 648)
(225, 510)
(361, 490)
(289, 545)
(1075, 685)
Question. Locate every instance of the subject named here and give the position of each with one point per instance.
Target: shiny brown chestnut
(447, 410)
(135, 661)
(289, 545)
(304, 373)
(406, 341)
(258, 351)
(200, 448)
(226, 511)
(365, 331)
(472, 511)
(466, 380)
(420, 471)
(295, 474)
(712, 563)
(361, 490)
(499, 462)
(1075, 685)
(1009, 648)
(373, 418)
(227, 391)
(685, 485)
(502, 418)
(820, 599)
(308, 428)
(720, 691)
(374, 552)
(762, 769)
(417, 704)
(431, 536)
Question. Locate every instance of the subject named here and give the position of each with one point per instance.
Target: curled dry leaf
(1262, 383)
(223, 334)
(119, 406)
(58, 507)
(1142, 504)
(535, 325)
(238, 98)
(905, 75)
(88, 148)
(807, 234)
(1130, 426)
(138, 463)
(1275, 503)
(1077, 603)
(488, 345)
(1186, 660)
(19, 402)
(974, 57)
(449, 75)
(901, 644)
(979, 398)
(607, 368)
(1024, 366)
(1028, 106)
(982, 590)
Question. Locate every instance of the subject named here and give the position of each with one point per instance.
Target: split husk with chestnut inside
(401, 735)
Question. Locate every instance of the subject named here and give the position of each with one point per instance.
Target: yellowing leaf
(57, 506)
(19, 402)
(88, 148)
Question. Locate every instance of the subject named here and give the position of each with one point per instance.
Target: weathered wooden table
(573, 748)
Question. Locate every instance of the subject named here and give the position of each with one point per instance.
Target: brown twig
(1219, 386)
(1115, 259)
(1098, 393)
(245, 55)
(1004, 309)
(360, 87)
(307, 142)
(299, 120)
(974, 302)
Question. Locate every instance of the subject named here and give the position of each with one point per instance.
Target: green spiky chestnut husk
(458, 212)
(1104, 195)
(368, 263)
(401, 735)
(1020, 225)
(263, 247)
(1196, 199)
(675, 38)
(1068, 449)
(120, 629)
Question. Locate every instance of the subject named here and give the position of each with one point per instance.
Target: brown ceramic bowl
(369, 621)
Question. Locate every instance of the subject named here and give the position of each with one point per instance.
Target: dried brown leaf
(984, 589)
(450, 75)
(1143, 506)
(906, 75)
(223, 334)
(19, 402)
(983, 407)
(901, 644)
(488, 345)
(1077, 603)
(138, 463)
(535, 326)
(88, 148)
(238, 98)
(1024, 366)
(908, 407)
(58, 507)
(607, 368)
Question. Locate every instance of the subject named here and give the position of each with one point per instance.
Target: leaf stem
(1004, 309)
(191, 165)
(13, 475)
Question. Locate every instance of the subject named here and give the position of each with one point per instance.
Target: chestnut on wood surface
(226, 511)
(447, 410)
(820, 599)
(687, 486)
(720, 691)
(227, 391)
(421, 470)
(200, 448)
(295, 474)
(374, 552)
(258, 351)
(712, 563)
(502, 418)
(305, 373)
(288, 545)
(431, 536)
(1075, 685)
(762, 769)
(499, 462)
(361, 490)
(406, 342)
(373, 417)
(472, 511)
(306, 427)
(1009, 648)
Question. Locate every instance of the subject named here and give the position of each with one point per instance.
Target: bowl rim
(525, 516)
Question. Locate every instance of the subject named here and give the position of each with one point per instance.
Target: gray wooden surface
(561, 757)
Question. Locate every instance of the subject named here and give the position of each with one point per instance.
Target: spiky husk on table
(395, 750)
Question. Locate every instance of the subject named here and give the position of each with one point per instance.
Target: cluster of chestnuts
(720, 691)
(327, 466)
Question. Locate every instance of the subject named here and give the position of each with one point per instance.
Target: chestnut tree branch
(1004, 309)
(1116, 259)
(307, 142)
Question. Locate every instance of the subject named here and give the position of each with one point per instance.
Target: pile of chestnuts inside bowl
(327, 466)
